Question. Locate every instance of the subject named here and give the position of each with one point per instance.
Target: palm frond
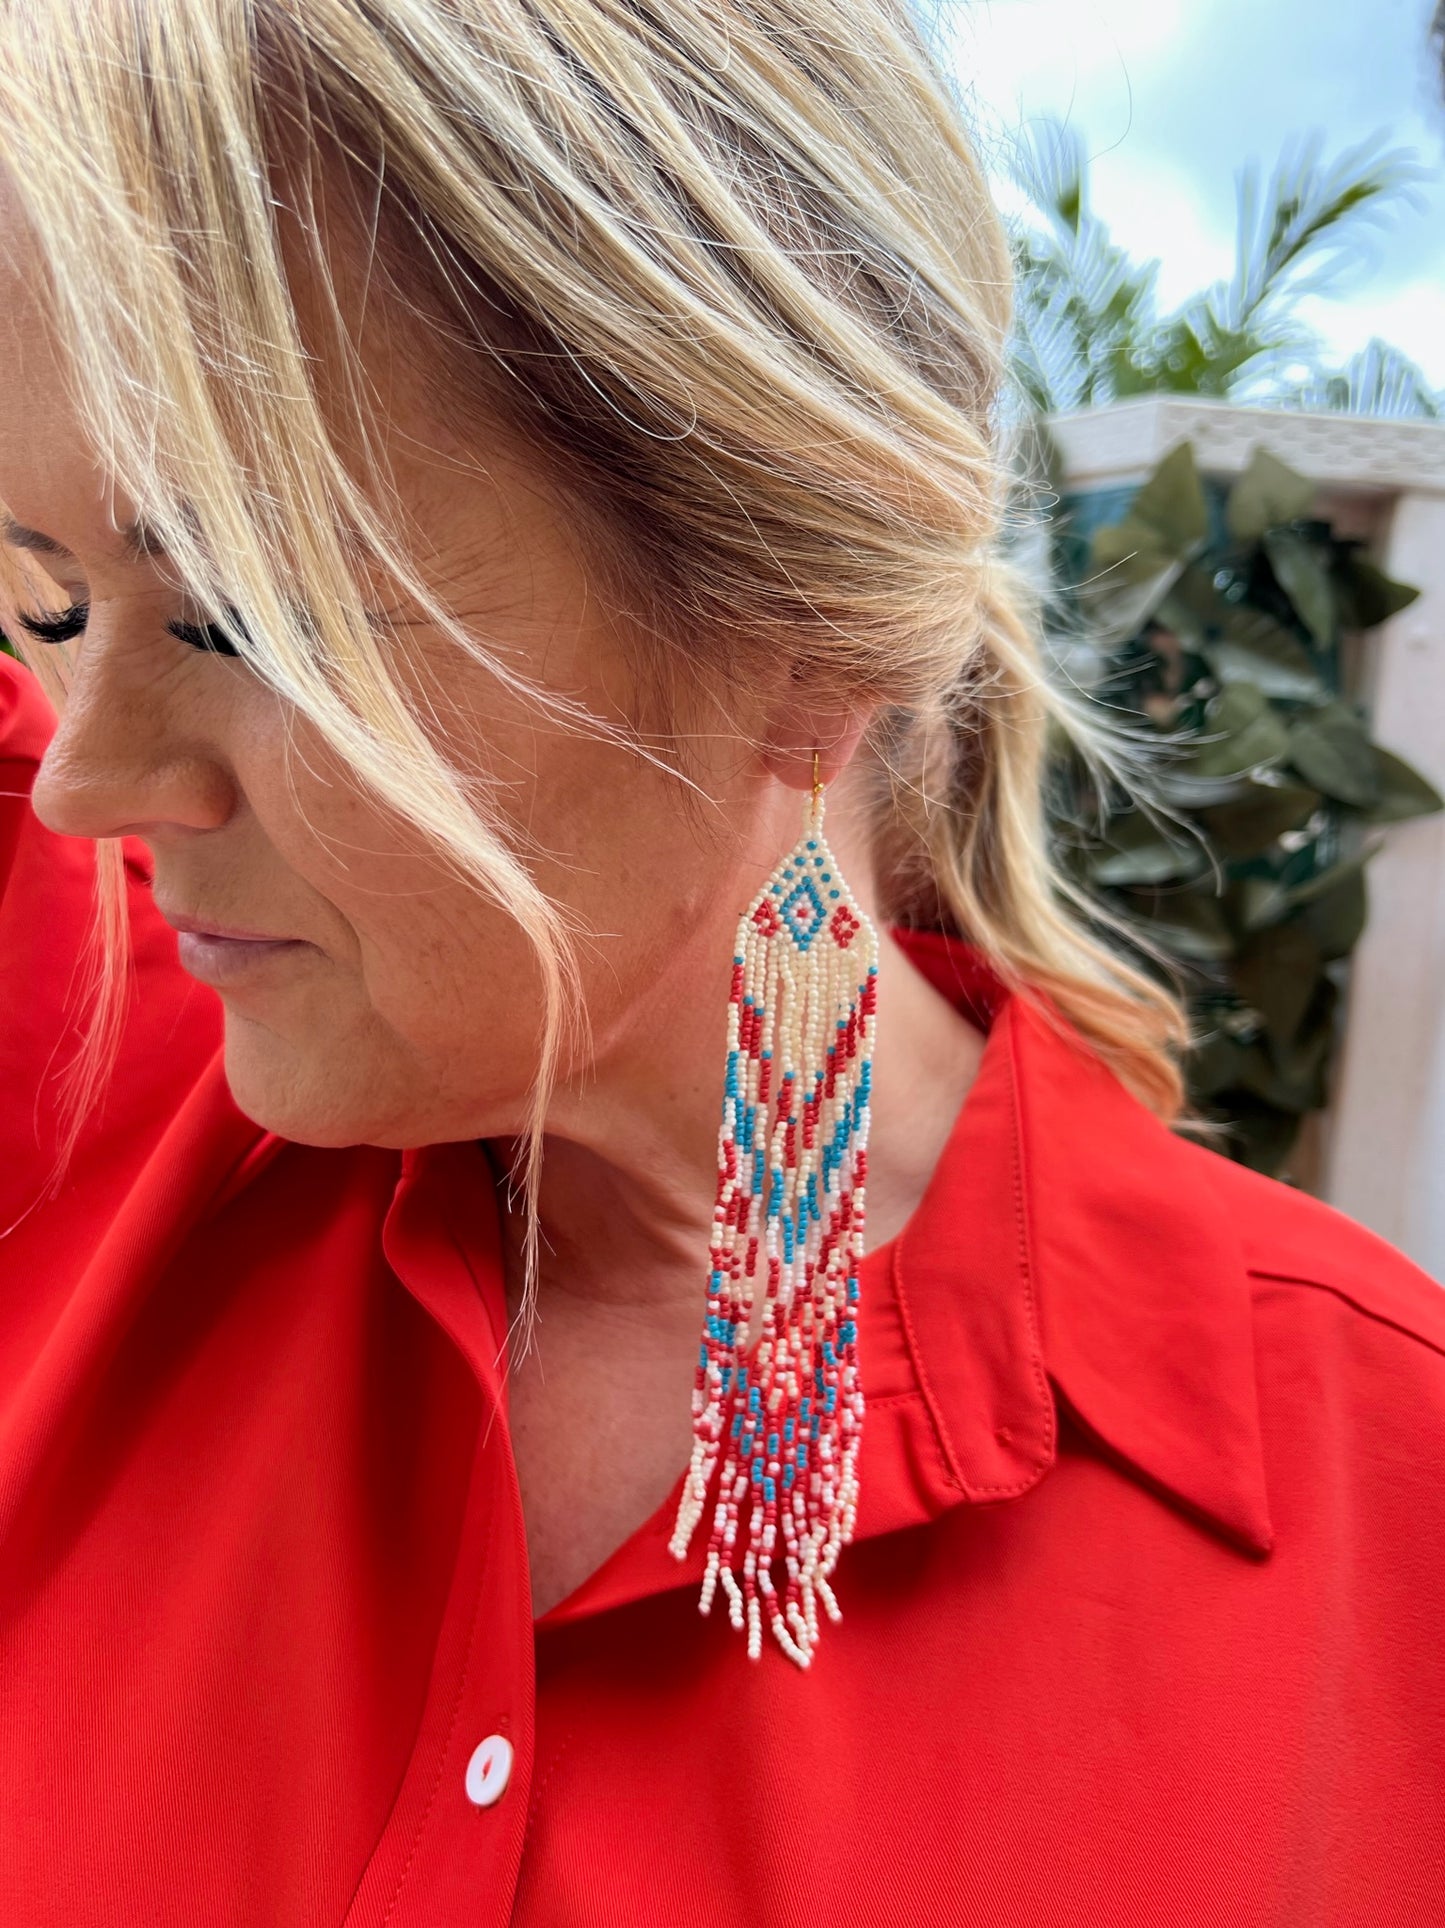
(1378, 380)
(1305, 227)
(1047, 162)
(1081, 299)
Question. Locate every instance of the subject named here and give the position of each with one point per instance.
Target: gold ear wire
(817, 784)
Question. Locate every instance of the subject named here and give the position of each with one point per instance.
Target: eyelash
(70, 623)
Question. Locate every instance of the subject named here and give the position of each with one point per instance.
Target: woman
(503, 502)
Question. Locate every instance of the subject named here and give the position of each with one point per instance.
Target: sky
(1173, 96)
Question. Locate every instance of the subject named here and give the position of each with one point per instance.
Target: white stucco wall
(1385, 1147)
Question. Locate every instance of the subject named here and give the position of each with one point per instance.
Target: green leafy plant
(1218, 617)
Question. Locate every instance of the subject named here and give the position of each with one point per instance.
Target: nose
(128, 758)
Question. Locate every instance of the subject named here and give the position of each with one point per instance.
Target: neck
(629, 1170)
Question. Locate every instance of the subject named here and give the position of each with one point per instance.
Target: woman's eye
(207, 636)
(59, 628)
(67, 624)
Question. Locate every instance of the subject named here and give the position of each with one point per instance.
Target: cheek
(427, 1022)
(421, 1019)
(450, 978)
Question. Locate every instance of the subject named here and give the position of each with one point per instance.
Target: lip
(222, 954)
(226, 962)
(229, 933)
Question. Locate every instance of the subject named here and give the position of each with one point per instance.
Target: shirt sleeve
(172, 1026)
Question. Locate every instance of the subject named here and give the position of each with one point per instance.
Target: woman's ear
(798, 726)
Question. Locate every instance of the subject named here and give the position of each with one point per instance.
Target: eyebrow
(139, 542)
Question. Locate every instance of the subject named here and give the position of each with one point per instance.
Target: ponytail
(964, 847)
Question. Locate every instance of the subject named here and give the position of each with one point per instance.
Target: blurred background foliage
(1088, 325)
(1216, 620)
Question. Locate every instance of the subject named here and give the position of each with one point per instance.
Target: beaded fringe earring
(781, 1426)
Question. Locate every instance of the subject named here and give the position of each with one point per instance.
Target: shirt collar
(1116, 1239)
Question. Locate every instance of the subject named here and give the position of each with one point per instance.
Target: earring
(781, 1425)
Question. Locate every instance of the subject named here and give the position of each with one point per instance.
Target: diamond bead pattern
(803, 914)
(845, 927)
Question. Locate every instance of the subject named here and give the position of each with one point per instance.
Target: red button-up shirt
(1144, 1622)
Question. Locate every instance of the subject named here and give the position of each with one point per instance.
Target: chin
(305, 1093)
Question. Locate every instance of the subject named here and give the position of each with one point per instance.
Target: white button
(489, 1770)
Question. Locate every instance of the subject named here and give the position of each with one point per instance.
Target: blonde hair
(732, 268)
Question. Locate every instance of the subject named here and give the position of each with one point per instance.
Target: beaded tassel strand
(781, 1429)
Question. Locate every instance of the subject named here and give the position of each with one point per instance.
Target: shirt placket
(452, 1847)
